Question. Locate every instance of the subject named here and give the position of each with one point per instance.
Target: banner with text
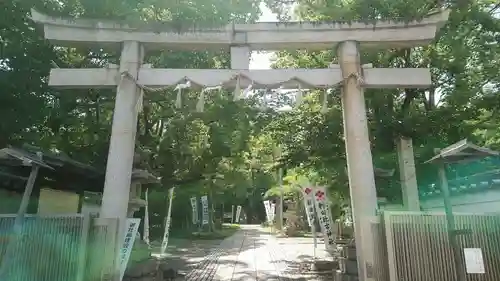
(204, 207)
(308, 194)
(267, 207)
(238, 213)
(324, 216)
(164, 243)
(132, 226)
(194, 208)
(273, 211)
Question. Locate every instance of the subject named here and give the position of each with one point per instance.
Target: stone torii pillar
(115, 199)
(240, 39)
(408, 174)
(359, 156)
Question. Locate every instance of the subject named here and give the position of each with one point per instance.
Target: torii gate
(241, 39)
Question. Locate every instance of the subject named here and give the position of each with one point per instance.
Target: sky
(261, 60)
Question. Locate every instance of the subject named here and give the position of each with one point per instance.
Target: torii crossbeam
(241, 39)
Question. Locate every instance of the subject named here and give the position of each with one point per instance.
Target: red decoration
(308, 190)
(320, 195)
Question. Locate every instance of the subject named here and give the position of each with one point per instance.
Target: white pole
(359, 156)
(281, 198)
(313, 230)
(164, 243)
(145, 235)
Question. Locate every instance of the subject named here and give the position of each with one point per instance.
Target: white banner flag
(308, 194)
(324, 217)
(164, 243)
(204, 206)
(145, 233)
(132, 226)
(194, 208)
(238, 213)
(267, 207)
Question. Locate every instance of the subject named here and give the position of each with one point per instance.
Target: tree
(227, 150)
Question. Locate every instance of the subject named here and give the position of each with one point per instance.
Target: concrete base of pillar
(339, 276)
(323, 265)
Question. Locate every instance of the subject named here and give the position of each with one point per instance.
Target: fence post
(84, 241)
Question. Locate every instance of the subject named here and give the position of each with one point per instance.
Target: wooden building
(59, 186)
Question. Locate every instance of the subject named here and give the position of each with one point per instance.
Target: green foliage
(229, 150)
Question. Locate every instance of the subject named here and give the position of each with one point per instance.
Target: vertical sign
(273, 211)
(232, 213)
(238, 213)
(145, 233)
(204, 206)
(267, 207)
(308, 193)
(132, 226)
(164, 243)
(323, 209)
(194, 208)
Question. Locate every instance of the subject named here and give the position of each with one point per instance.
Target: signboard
(145, 233)
(204, 206)
(308, 194)
(324, 216)
(474, 262)
(273, 211)
(164, 242)
(267, 207)
(132, 226)
(238, 213)
(194, 208)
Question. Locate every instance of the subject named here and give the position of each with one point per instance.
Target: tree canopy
(230, 149)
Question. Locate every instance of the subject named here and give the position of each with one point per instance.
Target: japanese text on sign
(238, 213)
(204, 208)
(132, 226)
(324, 215)
(309, 204)
(194, 207)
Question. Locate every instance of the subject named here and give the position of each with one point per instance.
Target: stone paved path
(252, 255)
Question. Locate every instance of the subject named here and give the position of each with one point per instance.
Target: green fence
(56, 248)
